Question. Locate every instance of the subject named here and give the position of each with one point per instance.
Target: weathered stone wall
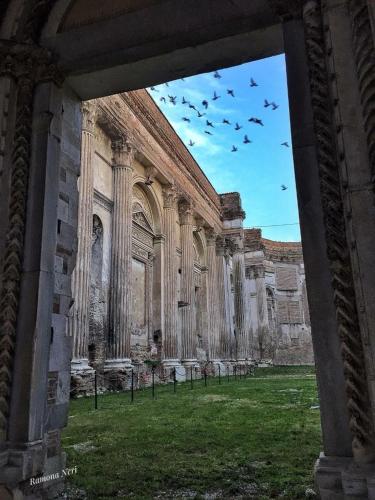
(280, 318)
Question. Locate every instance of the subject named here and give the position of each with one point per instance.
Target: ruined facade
(162, 270)
(279, 310)
(165, 271)
(56, 54)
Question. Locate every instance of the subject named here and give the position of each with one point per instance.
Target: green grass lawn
(251, 438)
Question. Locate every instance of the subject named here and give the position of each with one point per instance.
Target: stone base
(339, 478)
(118, 364)
(169, 365)
(216, 367)
(36, 475)
(79, 365)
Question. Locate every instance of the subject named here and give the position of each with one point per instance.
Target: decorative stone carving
(364, 53)
(169, 196)
(123, 153)
(337, 245)
(28, 65)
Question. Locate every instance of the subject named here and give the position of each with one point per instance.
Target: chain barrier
(98, 382)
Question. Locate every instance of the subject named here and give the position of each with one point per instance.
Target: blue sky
(257, 170)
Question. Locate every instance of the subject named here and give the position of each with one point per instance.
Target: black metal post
(235, 372)
(205, 377)
(153, 382)
(219, 375)
(132, 387)
(228, 372)
(174, 380)
(96, 389)
(191, 377)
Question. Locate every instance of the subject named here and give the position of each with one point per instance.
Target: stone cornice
(159, 127)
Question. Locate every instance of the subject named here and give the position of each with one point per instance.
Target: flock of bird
(209, 127)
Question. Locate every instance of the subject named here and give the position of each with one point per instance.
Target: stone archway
(329, 52)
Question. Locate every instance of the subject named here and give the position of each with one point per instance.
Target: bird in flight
(184, 101)
(163, 99)
(166, 84)
(274, 106)
(230, 92)
(186, 119)
(192, 107)
(217, 75)
(234, 149)
(172, 99)
(257, 121)
(200, 114)
(207, 132)
(183, 79)
(215, 97)
(283, 187)
(154, 89)
(191, 143)
(266, 103)
(253, 83)
(205, 104)
(286, 144)
(246, 140)
(209, 124)
(237, 127)
(226, 122)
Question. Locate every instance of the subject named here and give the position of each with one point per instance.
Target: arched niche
(146, 274)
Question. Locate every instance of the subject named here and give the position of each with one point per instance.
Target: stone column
(213, 337)
(169, 335)
(79, 319)
(264, 341)
(121, 262)
(223, 325)
(188, 333)
(242, 340)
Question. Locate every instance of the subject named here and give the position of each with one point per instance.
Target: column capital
(169, 196)
(211, 236)
(220, 246)
(186, 212)
(88, 109)
(123, 153)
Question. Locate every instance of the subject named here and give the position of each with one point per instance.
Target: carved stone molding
(337, 245)
(123, 153)
(364, 54)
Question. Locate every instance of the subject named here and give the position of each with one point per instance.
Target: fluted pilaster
(170, 345)
(242, 340)
(79, 321)
(188, 334)
(223, 327)
(213, 325)
(121, 262)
